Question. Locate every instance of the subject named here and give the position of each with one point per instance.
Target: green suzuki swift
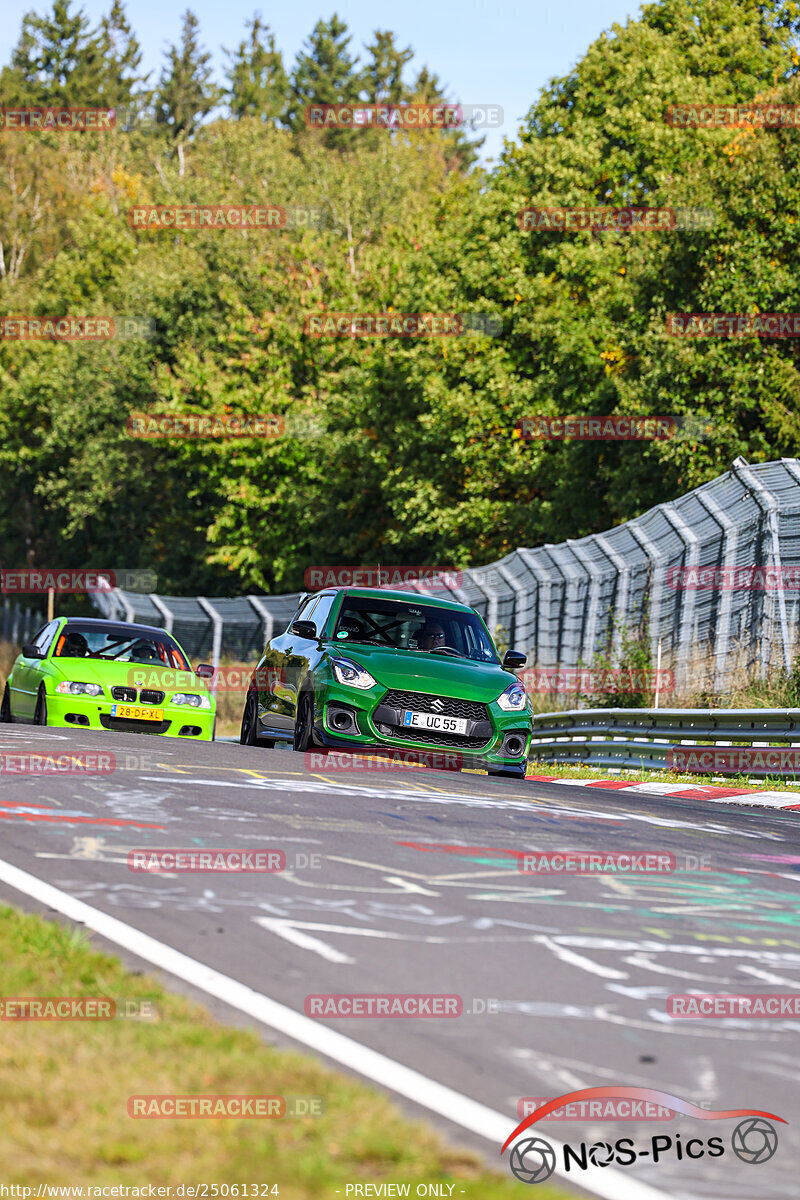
(362, 667)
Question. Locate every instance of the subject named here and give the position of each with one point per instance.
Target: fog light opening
(342, 720)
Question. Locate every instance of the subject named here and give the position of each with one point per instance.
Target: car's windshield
(413, 627)
(120, 644)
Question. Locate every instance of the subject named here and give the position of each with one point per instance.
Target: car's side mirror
(205, 671)
(31, 650)
(304, 629)
(514, 660)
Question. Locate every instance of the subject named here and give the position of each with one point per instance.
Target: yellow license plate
(137, 712)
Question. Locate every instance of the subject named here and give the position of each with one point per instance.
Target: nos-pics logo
(533, 1160)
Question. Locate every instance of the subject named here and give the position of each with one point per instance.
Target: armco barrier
(562, 605)
(642, 738)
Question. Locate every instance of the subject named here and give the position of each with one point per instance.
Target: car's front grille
(434, 737)
(151, 696)
(446, 706)
(127, 694)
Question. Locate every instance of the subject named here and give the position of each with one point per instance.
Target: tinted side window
(45, 639)
(45, 635)
(303, 611)
(322, 611)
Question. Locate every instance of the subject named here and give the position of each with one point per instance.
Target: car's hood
(138, 675)
(439, 674)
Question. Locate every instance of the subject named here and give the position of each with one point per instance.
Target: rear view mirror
(514, 660)
(31, 650)
(204, 671)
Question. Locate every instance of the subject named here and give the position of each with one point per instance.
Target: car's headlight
(79, 689)
(513, 699)
(191, 699)
(351, 673)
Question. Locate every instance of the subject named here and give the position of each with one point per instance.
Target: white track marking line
(604, 1182)
(290, 933)
(269, 922)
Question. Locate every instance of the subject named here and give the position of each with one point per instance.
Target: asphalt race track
(415, 888)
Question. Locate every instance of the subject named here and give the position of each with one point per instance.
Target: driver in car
(432, 636)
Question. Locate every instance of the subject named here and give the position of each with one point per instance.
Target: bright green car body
(37, 690)
(298, 694)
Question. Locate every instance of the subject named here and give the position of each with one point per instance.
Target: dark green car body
(298, 694)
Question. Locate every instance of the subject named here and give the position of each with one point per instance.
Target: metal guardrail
(642, 737)
(18, 624)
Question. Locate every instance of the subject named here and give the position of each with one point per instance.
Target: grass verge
(64, 1088)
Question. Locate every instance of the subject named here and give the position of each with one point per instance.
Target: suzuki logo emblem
(438, 705)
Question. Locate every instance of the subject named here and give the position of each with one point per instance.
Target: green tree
(55, 60)
(383, 74)
(186, 93)
(324, 73)
(258, 82)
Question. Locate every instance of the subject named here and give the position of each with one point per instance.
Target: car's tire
(214, 730)
(5, 707)
(248, 735)
(304, 723)
(40, 712)
(509, 772)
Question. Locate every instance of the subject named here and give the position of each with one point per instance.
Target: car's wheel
(214, 730)
(509, 772)
(40, 712)
(5, 707)
(248, 735)
(304, 723)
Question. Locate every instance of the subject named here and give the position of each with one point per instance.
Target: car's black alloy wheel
(304, 723)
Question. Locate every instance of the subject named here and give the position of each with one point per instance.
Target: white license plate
(421, 720)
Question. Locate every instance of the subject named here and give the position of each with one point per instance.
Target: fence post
(217, 647)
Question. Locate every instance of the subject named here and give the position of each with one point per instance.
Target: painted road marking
(604, 1182)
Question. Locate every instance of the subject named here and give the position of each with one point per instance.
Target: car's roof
(101, 623)
(392, 594)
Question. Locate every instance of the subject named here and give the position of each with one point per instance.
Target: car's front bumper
(488, 753)
(94, 712)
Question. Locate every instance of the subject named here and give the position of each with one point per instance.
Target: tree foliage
(396, 450)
